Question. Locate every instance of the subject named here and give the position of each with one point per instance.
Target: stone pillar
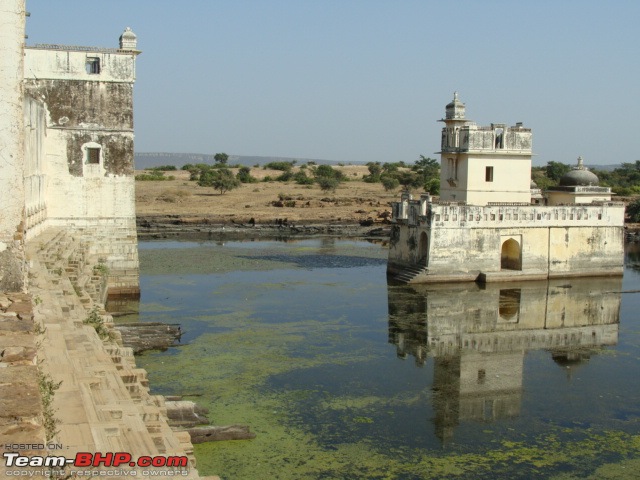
(12, 13)
(425, 202)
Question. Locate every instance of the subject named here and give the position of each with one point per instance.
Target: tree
(555, 170)
(429, 171)
(429, 167)
(432, 186)
(389, 183)
(221, 179)
(221, 158)
(633, 211)
(409, 180)
(375, 169)
(328, 171)
(539, 175)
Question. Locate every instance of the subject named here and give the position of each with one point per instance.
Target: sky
(367, 80)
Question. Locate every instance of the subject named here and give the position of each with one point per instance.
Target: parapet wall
(454, 215)
(453, 242)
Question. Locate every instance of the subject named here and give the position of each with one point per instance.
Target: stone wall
(12, 271)
(35, 179)
(79, 152)
(453, 242)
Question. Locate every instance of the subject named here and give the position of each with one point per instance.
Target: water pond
(342, 376)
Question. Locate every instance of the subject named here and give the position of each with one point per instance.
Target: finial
(580, 163)
(455, 96)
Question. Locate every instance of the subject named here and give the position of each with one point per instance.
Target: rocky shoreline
(168, 226)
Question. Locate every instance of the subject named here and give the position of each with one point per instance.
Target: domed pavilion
(579, 185)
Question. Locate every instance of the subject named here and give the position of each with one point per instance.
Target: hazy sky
(358, 81)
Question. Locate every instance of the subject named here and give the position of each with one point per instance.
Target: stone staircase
(408, 273)
(103, 403)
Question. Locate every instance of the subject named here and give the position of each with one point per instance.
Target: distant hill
(155, 159)
(604, 168)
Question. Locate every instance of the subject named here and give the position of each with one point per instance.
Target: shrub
(48, 390)
(282, 166)
(153, 175)
(328, 183)
(244, 175)
(95, 320)
(165, 168)
(301, 178)
(285, 177)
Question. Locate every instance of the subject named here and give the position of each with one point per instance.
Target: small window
(488, 174)
(93, 155)
(93, 65)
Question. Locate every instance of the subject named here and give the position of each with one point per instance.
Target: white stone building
(489, 223)
(66, 149)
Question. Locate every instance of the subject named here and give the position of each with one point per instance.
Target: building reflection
(478, 337)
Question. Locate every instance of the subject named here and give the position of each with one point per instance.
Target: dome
(455, 109)
(128, 40)
(579, 176)
(533, 184)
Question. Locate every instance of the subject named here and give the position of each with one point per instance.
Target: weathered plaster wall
(35, 178)
(582, 250)
(82, 112)
(464, 241)
(85, 104)
(12, 13)
(61, 62)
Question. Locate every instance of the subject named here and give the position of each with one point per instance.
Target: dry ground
(352, 202)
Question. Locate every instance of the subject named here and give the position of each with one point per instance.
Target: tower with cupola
(483, 165)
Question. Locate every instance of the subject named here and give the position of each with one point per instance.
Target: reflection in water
(478, 337)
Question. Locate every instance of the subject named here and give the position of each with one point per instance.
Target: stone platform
(103, 402)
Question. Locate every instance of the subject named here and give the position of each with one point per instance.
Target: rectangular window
(93, 155)
(488, 174)
(93, 65)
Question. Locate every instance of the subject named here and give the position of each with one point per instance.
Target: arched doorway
(511, 256)
(423, 249)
